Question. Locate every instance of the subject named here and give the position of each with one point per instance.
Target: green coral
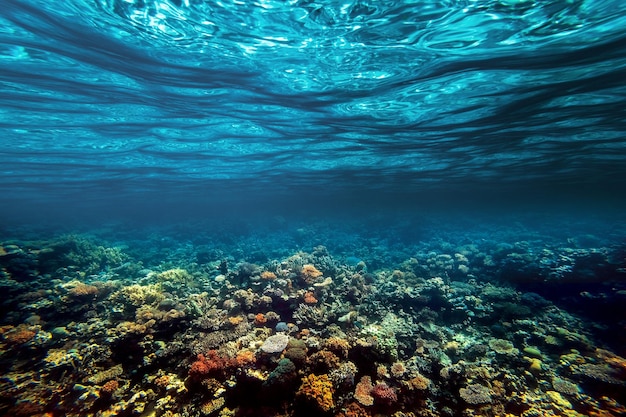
(82, 253)
(283, 374)
(383, 340)
(175, 280)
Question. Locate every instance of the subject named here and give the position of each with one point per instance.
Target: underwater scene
(296, 208)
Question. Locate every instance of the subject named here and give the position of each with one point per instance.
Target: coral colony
(90, 329)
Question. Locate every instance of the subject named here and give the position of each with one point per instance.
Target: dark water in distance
(111, 105)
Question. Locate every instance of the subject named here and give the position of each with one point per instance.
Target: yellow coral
(318, 390)
(534, 364)
(139, 295)
(557, 399)
(212, 406)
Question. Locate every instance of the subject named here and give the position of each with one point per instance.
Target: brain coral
(276, 343)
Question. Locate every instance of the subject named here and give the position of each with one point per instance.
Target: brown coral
(19, 335)
(397, 369)
(82, 290)
(296, 351)
(384, 394)
(268, 276)
(475, 394)
(323, 360)
(419, 383)
(338, 346)
(353, 410)
(309, 273)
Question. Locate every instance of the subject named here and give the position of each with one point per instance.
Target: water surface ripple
(128, 95)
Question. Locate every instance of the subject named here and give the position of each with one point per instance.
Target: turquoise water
(313, 208)
(198, 98)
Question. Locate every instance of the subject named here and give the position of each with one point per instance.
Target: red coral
(210, 364)
(384, 394)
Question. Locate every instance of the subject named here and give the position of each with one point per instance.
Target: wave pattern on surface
(136, 95)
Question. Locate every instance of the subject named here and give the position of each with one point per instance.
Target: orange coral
(362, 392)
(309, 272)
(234, 321)
(210, 364)
(110, 387)
(317, 390)
(245, 358)
(608, 408)
(260, 319)
(309, 298)
(162, 381)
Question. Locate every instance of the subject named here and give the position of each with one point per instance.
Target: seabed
(442, 328)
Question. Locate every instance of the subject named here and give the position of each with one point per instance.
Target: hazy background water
(173, 108)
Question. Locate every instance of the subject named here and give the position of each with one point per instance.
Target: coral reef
(418, 331)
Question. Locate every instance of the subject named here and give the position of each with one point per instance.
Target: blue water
(453, 170)
(196, 100)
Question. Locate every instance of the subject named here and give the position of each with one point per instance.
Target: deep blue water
(122, 102)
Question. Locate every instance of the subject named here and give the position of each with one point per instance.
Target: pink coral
(384, 394)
